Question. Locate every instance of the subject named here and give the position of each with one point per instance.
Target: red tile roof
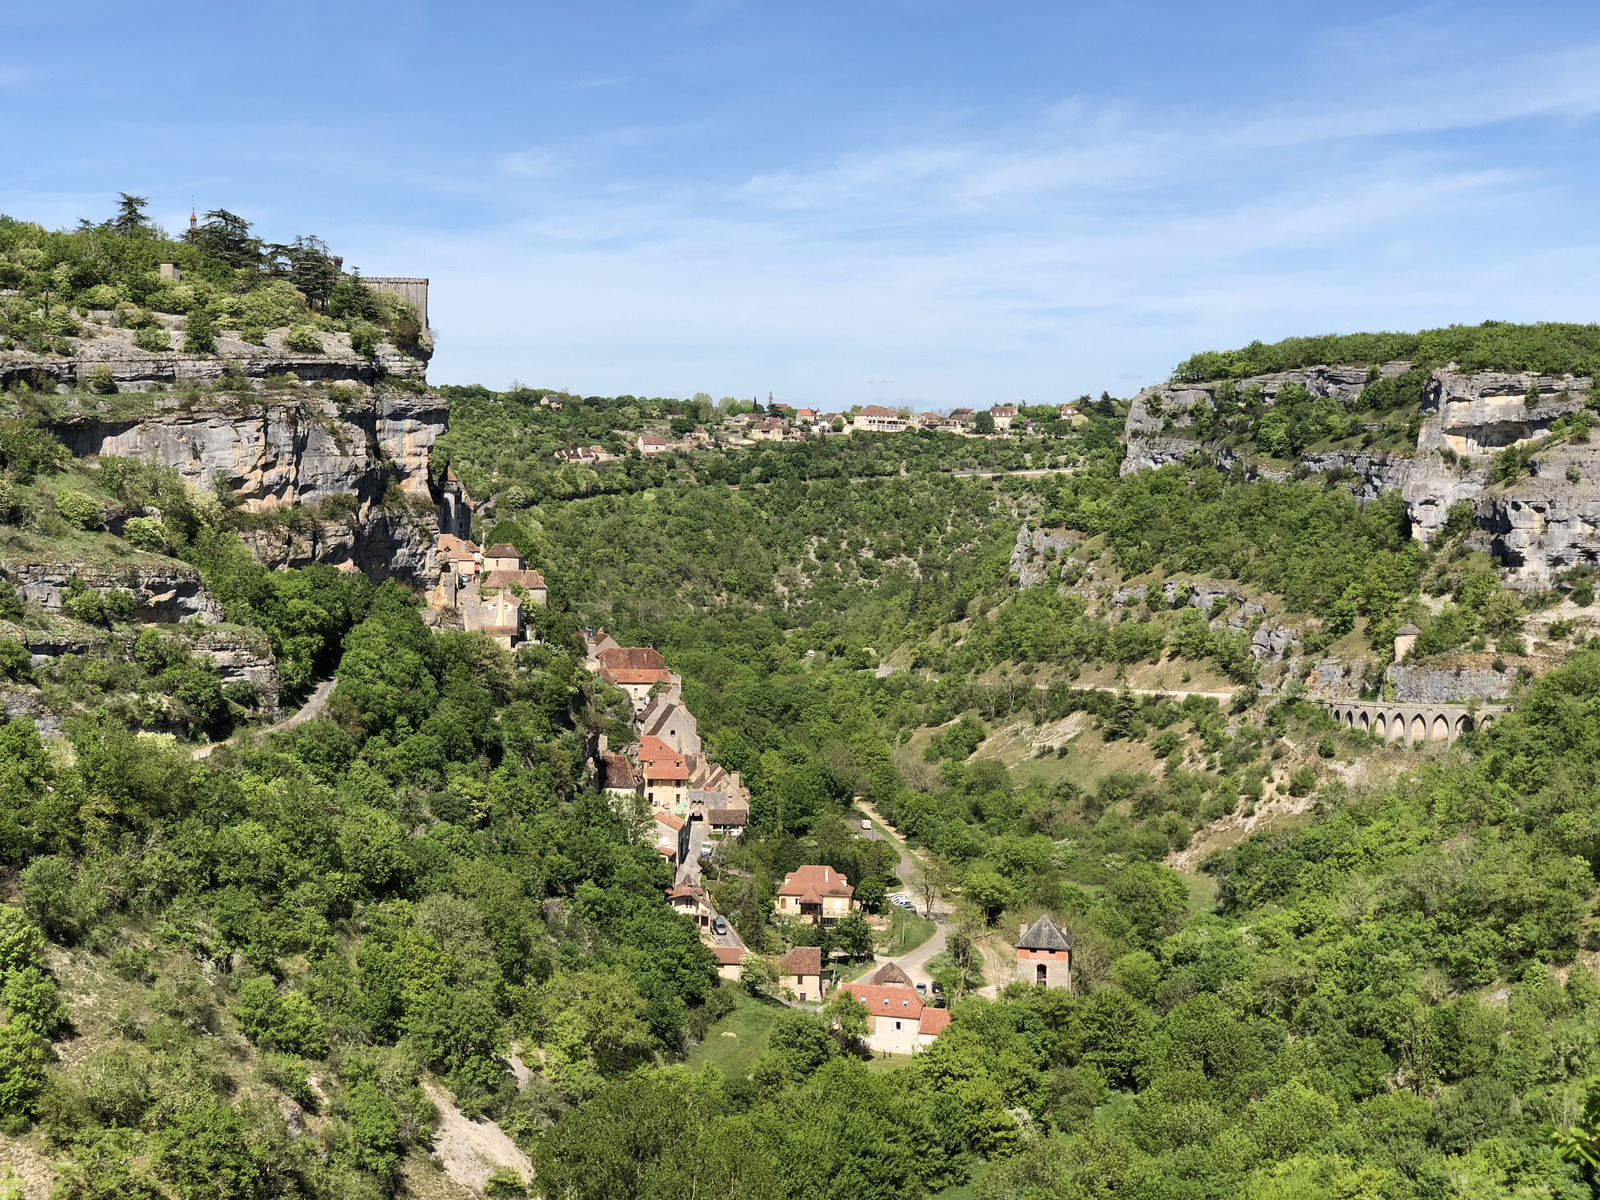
(934, 1021)
(729, 956)
(617, 677)
(873, 410)
(670, 822)
(619, 772)
(888, 1001)
(803, 960)
(503, 577)
(820, 881)
(633, 658)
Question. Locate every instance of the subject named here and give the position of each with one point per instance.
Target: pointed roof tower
(1044, 934)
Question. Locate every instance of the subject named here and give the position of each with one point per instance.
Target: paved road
(915, 962)
(908, 860)
(311, 709)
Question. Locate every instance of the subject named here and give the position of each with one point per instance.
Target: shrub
(145, 533)
(303, 339)
(206, 1153)
(288, 1023)
(374, 1119)
(52, 898)
(153, 339)
(199, 336)
(1325, 746)
(1302, 781)
(364, 340)
(21, 943)
(505, 1183)
(131, 316)
(22, 1059)
(78, 509)
(272, 306)
(32, 997)
(351, 297)
(15, 661)
(1582, 593)
(102, 381)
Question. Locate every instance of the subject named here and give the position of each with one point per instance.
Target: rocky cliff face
(1541, 524)
(330, 449)
(164, 592)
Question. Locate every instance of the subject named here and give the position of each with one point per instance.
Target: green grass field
(906, 932)
(749, 1023)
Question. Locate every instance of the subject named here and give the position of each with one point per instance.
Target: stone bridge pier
(1413, 723)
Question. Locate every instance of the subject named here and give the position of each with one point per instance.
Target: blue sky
(926, 203)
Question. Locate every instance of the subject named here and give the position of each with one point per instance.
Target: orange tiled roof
(935, 1021)
(888, 1001)
(617, 677)
(633, 658)
(817, 881)
(803, 960)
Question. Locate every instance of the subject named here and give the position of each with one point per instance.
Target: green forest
(227, 277)
(274, 970)
(1549, 347)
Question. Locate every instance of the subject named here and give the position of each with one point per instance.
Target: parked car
(901, 900)
(922, 989)
(866, 825)
(719, 926)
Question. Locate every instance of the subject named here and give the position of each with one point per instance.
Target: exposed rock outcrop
(332, 448)
(1540, 524)
(164, 592)
(1035, 550)
(242, 656)
(1432, 685)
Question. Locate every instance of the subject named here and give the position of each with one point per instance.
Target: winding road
(310, 710)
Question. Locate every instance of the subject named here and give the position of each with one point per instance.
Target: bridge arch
(1419, 729)
(1441, 729)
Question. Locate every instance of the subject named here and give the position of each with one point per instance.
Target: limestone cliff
(1539, 524)
(325, 454)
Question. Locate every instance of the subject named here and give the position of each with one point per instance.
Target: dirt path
(470, 1151)
(308, 711)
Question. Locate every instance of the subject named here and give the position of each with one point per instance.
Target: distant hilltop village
(784, 423)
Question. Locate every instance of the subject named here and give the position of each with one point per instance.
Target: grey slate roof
(1044, 934)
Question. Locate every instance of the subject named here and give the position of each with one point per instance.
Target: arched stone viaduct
(1414, 723)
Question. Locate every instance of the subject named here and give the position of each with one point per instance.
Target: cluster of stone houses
(901, 1020)
(797, 424)
(665, 763)
(490, 591)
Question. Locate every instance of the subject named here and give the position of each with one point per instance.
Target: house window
(1041, 974)
(897, 1026)
(802, 995)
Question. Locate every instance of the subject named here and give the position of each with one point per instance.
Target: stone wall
(413, 291)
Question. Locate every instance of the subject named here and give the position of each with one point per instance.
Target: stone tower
(1044, 955)
(1404, 638)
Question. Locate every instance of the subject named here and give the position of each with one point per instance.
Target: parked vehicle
(901, 900)
(719, 926)
(866, 825)
(922, 989)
